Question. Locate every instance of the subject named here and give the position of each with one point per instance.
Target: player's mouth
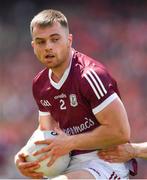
(49, 56)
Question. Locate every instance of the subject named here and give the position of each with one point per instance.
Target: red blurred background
(113, 31)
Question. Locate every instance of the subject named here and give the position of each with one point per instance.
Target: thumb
(22, 157)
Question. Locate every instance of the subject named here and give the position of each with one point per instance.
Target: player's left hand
(27, 168)
(56, 147)
(120, 153)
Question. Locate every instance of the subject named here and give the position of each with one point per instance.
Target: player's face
(52, 45)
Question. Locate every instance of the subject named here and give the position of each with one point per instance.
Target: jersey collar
(64, 77)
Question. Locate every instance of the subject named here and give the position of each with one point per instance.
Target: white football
(59, 165)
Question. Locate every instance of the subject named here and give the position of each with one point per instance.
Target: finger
(52, 160)
(21, 157)
(112, 149)
(31, 169)
(105, 158)
(102, 153)
(113, 160)
(105, 153)
(110, 158)
(35, 175)
(48, 141)
(27, 165)
(46, 156)
(42, 150)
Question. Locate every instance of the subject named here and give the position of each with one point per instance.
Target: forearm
(47, 123)
(47, 127)
(140, 150)
(99, 138)
(114, 129)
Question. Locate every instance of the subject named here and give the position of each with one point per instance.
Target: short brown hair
(47, 18)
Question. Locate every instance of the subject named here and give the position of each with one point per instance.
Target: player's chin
(50, 65)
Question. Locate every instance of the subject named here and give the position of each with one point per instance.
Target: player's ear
(70, 39)
(32, 43)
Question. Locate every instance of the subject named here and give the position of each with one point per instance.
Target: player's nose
(48, 46)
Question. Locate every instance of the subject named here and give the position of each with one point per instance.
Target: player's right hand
(27, 168)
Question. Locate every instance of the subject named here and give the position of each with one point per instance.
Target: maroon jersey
(85, 89)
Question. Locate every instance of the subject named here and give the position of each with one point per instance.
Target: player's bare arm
(124, 152)
(114, 130)
(46, 122)
(79, 93)
(140, 150)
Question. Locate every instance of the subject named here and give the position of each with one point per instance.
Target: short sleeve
(99, 88)
(40, 103)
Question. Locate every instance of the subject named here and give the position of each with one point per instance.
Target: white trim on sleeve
(41, 113)
(105, 103)
(95, 83)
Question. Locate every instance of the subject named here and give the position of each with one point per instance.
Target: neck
(58, 72)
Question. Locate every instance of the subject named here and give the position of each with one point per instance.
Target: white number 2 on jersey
(62, 104)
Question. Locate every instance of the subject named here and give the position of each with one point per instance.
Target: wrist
(71, 142)
(135, 150)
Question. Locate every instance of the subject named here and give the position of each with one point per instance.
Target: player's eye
(54, 39)
(40, 42)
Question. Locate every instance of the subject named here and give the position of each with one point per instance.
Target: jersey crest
(73, 100)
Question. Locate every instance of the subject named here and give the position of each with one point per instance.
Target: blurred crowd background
(113, 31)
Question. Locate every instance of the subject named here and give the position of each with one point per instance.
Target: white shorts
(98, 168)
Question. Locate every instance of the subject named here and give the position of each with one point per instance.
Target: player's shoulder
(90, 65)
(96, 69)
(40, 76)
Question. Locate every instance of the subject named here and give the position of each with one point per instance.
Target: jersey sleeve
(99, 88)
(42, 110)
